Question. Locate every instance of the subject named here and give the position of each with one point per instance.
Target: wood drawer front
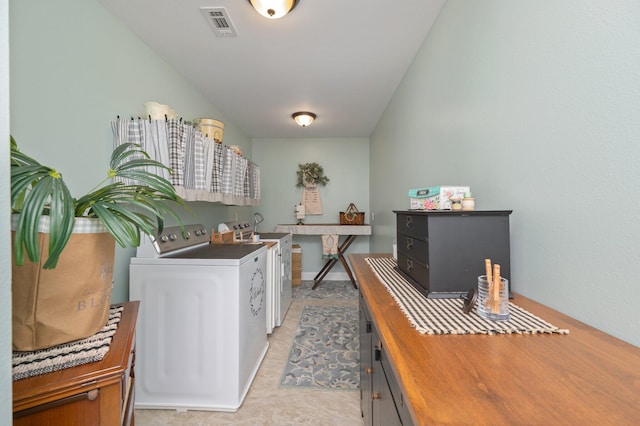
(413, 225)
(414, 248)
(418, 271)
(80, 409)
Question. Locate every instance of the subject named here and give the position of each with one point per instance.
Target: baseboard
(331, 276)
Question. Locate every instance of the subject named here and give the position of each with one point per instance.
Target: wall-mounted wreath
(311, 173)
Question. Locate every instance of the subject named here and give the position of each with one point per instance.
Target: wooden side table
(97, 393)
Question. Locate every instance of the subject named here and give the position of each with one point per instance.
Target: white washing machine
(201, 333)
(279, 290)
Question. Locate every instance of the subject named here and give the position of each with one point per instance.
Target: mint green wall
(536, 105)
(74, 68)
(345, 162)
(5, 252)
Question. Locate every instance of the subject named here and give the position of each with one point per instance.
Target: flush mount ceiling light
(273, 9)
(303, 118)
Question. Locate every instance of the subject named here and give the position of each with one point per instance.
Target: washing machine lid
(218, 251)
(209, 255)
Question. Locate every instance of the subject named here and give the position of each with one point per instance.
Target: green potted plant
(63, 247)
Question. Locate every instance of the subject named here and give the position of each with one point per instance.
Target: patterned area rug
(91, 349)
(342, 290)
(325, 351)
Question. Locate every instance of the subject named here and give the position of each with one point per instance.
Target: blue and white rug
(325, 352)
(341, 290)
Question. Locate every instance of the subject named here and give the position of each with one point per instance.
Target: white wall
(6, 404)
(74, 68)
(345, 162)
(536, 105)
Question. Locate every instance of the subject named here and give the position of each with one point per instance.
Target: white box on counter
(435, 197)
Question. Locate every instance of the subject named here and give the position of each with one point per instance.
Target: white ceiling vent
(219, 20)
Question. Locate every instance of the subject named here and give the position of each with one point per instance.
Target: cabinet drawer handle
(409, 265)
(409, 222)
(90, 395)
(409, 243)
(375, 395)
(368, 370)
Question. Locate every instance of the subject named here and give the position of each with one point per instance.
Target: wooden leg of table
(323, 272)
(341, 250)
(331, 262)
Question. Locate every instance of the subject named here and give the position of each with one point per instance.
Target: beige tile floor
(269, 403)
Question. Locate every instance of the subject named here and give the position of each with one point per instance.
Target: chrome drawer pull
(409, 265)
(409, 222)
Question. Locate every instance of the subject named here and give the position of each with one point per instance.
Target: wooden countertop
(585, 377)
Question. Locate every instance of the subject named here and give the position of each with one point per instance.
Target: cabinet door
(384, 408)
(399, 400)
(366, 364)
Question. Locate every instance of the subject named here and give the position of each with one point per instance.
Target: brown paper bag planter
(70, 302)
(63, 246)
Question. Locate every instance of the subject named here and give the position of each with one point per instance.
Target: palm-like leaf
(38, 190)
(124, 209)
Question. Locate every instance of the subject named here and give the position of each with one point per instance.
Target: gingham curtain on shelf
(202, 170)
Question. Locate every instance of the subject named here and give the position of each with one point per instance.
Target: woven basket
(352, 216)
(296, 265)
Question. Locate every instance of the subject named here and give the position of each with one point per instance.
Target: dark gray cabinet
(443, 252)
(381, 400)
(366, 363)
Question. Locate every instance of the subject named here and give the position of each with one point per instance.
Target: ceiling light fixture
(273, 9)
(303, 118)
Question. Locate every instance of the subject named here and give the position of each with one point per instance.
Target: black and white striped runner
(445, 316)
(91, 349)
